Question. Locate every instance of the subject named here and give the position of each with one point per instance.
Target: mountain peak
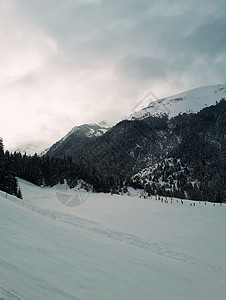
(90, 129)
(104, 124)
(78, 135)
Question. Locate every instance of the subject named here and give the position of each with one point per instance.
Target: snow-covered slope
(111, 247)
(89, 130)
(76, 137)
(190, 101)
(31, 149)
(86, 130)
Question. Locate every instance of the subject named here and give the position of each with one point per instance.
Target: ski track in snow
(8, 295)
(134, 240)
(117, 235)
(55, 290)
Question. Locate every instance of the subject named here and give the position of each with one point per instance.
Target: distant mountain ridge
(191, 101)
(31, 149)
(77, 136)
(90, 130)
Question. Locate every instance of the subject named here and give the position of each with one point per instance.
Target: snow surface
(111, 247)
(93, 130)
(190, 101)
(31, 149)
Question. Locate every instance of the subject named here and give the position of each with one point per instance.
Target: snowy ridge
(79, 134)
(90, 130)
(31, 149)
(190, 101)
(40, 148)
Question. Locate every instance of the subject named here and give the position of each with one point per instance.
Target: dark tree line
(8, 181)
(45, 170)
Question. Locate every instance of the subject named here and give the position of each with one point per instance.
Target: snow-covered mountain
(89, 130)
(31, 149)
(76, 136)
(155, 153)
(190, 101)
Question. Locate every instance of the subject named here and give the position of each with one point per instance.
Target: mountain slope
(31, 149)
(190, 101)
(76, 137)
(181, 156)
(195, 165)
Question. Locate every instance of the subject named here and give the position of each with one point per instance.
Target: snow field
(111, 247)
(190, 101)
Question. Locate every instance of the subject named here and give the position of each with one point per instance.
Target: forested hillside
(182, 157)
(8, 182)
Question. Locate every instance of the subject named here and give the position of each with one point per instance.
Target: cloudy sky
(68, 62)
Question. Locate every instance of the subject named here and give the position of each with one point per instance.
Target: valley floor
(110, 247)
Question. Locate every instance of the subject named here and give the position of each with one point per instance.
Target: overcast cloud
(64, 63)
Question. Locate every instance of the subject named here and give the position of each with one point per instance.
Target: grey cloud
(96, 34)
(209, 38)
(89, 26)
(141, 68)
(110, 51)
